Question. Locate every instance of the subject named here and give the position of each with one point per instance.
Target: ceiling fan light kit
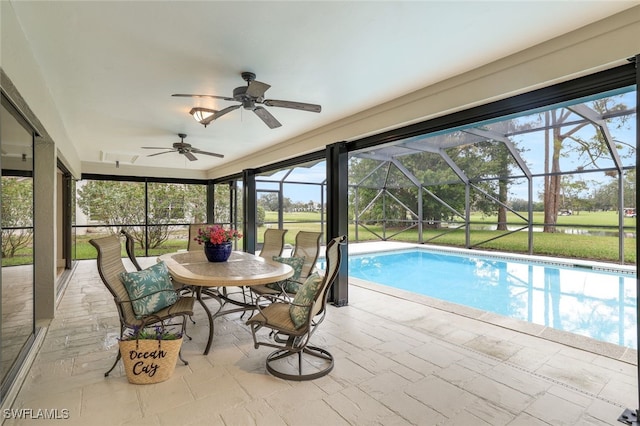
(249, 98)
(200, 114)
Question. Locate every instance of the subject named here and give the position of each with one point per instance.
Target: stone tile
(121, 395)
(519, 380)
(256, 412)
(407, 373)
(499, 394)
(555, 410)
(416, 363)
(163, 396)
(489, 412)
(457, 375)
(526, 419)
(570, 395)
(441, 355)
(357, 407)
(440, 395)
(328, 384)
(465, 418)
(621, 392)
(574, 372)
(411, 409)
(383, 384)
(205, 411)
(260, 385)
(497, 348)
(602, 412)
(314, 413)
(348, 373)
(373, 362)
(396, 362)
(289, 399)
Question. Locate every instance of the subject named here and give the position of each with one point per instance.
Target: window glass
(17, 292)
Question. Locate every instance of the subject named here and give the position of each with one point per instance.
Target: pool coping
(609, 350)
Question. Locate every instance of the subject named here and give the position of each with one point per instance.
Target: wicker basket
(149, 361)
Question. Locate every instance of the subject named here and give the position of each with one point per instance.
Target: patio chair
(273, 243)
(307, 249)
(130, 245)
(294, 322)
(110, 267)
(193, 231)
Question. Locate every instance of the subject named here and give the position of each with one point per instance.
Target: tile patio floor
(398, 362)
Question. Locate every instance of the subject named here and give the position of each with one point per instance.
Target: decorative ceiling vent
(118, 157)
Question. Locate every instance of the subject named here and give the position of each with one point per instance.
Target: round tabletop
(242, 269)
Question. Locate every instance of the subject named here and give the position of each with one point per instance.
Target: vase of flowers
(217, 242)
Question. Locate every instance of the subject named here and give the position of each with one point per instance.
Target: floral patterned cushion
(304, 296)
(150, 289)
(296, 263)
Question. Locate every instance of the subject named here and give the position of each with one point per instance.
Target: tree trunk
(552, 200)
(502, 210)
(552, 183)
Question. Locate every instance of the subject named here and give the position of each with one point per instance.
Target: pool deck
(581, 342)
(399, 360)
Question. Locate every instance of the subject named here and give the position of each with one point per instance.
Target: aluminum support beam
(250, 205)
(338, 214)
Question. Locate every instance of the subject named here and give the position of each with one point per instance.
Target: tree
(17, 214)
(606, 196)
(269, 201)
(573, 193)
(589, 147)
(116, 204)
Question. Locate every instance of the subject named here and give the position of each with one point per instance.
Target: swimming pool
(595, 303)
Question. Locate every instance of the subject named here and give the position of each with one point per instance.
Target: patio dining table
(213, 279)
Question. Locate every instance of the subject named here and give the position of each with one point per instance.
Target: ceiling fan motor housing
(240, 95)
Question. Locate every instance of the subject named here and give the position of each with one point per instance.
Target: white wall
(19, 64)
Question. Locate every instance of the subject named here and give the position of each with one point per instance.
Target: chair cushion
(304, 296)
(150, 290)
(296, 263)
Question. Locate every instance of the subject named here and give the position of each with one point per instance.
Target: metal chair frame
(289, 340)
(110, 266)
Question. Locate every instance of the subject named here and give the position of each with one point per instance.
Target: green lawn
(589, 219)
(601, 248)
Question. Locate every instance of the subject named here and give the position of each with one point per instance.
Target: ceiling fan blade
(153, 147)
(158, 153)
(187, 95)
(190, 156)
(266, 116)
(219, 114)
(294, 105)
(213, 154)
(256, 89)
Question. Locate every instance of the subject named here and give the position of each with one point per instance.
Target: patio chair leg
(114, 365)
(182, 359)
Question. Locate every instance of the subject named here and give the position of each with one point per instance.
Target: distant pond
(565, 230)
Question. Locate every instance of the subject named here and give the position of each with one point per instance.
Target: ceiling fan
(249, 96)
(183, 148)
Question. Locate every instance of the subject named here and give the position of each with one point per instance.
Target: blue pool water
(601, 305)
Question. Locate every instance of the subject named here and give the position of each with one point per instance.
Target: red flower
(216, 234)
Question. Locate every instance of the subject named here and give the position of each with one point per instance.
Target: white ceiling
(111, 67)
